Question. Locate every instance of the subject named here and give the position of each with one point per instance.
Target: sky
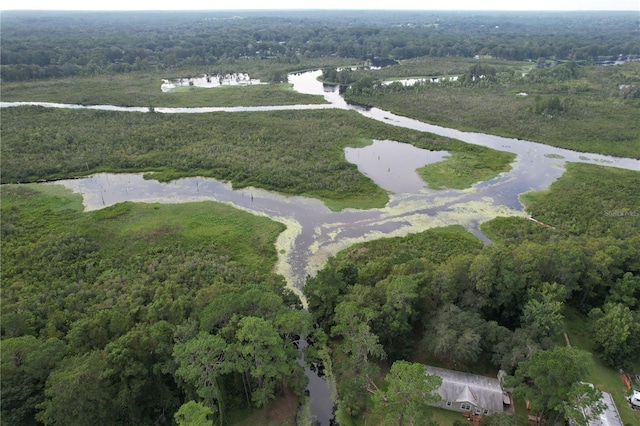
(323, 4)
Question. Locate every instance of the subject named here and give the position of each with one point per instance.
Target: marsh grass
(292, 152)
(508, 230)
(597, 117)
(143, 90)
(590, 199)
(463, 169)
(443, 66)
(130, 228)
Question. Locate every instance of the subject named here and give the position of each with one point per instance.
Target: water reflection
(392, 165)
(309, 84)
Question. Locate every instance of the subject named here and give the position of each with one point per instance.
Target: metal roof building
(610, 416)
(469, 392)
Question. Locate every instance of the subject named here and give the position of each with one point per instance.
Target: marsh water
(314, 233)
(210, 81)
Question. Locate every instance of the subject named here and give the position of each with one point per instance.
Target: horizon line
(317, 9)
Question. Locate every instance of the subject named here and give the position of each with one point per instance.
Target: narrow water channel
(314, 233)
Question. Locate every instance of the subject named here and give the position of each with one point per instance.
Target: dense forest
(121, 315)
(140, 314)
(38, 45)
(442, 297)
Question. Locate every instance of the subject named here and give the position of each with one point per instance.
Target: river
(314, 233)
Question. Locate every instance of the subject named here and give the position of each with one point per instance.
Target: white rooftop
(610, 416)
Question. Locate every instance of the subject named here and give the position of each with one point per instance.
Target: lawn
(602, 376)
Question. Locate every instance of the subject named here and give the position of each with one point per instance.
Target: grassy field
(438, 416)
(597, 118)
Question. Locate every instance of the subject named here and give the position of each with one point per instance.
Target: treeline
(121, 316)
(479, 74)
(40, 45)
(445, 296)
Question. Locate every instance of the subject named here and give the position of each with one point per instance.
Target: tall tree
(322, 292)
(616, 331)
(80, 393)
(410, 390)
(584, 404)
(262, 356)
(549, 378)
(201, 363)
(395, 325)
(193, 414)
(358, 344)
(543, 310)
(455, 335)
(26, 364)
(513, 347)
(625, 290)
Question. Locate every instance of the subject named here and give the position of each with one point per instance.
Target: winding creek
(314, 233)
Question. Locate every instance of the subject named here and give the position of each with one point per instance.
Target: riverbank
(593, 114)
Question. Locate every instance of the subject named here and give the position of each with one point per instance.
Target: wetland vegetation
(293, 152)
(579, 107)
(142, 88)
(137, 313)
(108, 293)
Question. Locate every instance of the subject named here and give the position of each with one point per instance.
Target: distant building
(465, 392)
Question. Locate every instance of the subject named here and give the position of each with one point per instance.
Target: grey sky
(324, 4)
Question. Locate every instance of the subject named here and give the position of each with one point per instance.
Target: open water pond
(392, 165)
